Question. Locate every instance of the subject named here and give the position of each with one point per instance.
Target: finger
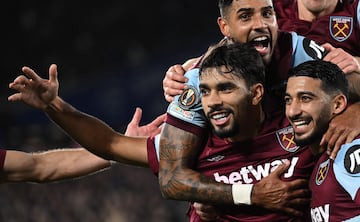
(174, 90)
(352, 136)
(297, 184)
(14, 97)
(293, 212)
(328, 47)
(136, 117)
(17, 86)
(350, 69)
(281, 169)
(158, 121)
(30, 73)
(336, 136)
(169, 98)
(22, 80)
(176, 73)
(53, 73)
(299, 195)
(326, 137)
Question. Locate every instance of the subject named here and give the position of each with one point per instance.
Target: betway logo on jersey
(250, 174)
(320, 214)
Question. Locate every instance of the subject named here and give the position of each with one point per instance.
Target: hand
(274, 194)
(151, 129)
(346, 62)
(205, 212)
(33, 90)
(174, 82)
(343, 128)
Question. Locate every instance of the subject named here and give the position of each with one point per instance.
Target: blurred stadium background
(111, 57)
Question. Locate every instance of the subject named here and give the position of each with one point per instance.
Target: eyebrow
(252, 9)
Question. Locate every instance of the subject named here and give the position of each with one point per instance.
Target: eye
(287, 100)
(204, 92)
(244, 16)
(305, 99)
(268, 13)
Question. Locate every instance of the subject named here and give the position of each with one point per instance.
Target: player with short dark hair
(316, 92)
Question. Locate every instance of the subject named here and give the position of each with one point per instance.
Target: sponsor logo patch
(188, 98)
(352, 160)
(322, 172)
(286, 139)
(314, 50)
(180, 113)
(340, 27)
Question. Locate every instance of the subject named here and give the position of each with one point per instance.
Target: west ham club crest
(340, 27)
(322, 172)
(286, 139)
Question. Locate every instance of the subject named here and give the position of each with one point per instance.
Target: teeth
(299, 123)
(260, 38)
(219, 116)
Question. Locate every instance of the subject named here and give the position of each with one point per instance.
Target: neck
(308, 15)
(251, 133)
(316, 149)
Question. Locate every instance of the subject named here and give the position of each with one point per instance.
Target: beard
(316, 135)
(228, 132)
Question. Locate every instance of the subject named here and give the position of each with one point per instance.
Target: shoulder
(348, 157)
(347, 167)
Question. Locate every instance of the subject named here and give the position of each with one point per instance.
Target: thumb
(136, 117)
(53, 73)
(327, 46)
(281, 169)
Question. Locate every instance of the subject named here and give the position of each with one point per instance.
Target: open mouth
(261, 44)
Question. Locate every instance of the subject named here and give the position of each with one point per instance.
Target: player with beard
(232, 91)
(316, 93)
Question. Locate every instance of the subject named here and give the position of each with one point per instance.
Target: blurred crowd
(122, 193)
(111, 57)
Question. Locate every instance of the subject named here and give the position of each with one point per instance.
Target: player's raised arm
(88, 131)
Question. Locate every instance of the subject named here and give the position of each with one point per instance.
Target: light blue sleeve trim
(157, 146)
(194, 114)
(305, 49)
(358, 14)
(299, 54)
(350, 182)
(354, 219)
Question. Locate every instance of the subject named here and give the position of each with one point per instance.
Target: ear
(224, 28)
(339, 104)
(257, 91)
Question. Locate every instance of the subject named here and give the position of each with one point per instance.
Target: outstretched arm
(52, 165)
(67, 163)
(87, 130)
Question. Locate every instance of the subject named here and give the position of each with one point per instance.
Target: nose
(258, 22)
(293, 109)
(213, 100)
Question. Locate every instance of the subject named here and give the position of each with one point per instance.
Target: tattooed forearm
(178, 154)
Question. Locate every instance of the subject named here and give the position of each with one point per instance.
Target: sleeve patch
(352, 160)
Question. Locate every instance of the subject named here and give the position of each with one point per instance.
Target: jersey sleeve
(358, 14)
(347, 168)
(305, 49)
(153, 153)
(2, 158)
(187, 106)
